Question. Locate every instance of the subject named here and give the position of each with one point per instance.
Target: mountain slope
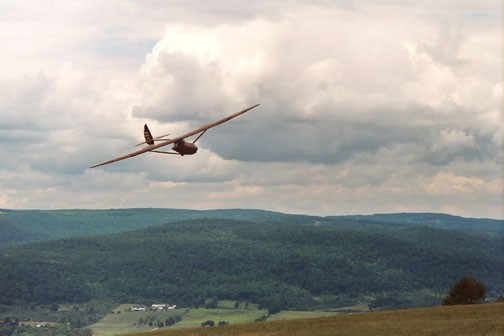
(435, 220)
(27, 226)
(279, 264)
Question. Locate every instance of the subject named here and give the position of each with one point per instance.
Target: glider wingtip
(252, 107)
(98, 165)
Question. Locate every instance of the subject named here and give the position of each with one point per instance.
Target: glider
(180, 146)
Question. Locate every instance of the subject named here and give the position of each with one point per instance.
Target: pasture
(123, 321)
(195, 317)
(470, 320)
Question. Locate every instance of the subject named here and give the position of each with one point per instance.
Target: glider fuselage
(185, 148)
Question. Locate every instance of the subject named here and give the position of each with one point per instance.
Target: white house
(137, 308)
(162, 306)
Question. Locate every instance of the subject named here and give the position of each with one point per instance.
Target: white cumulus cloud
(365, 106)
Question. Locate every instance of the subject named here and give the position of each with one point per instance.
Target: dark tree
(208, 323)
(467, 290)
(11, 321)
(212, 303)
(54, 307)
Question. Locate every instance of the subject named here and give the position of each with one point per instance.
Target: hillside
(286, 263)
(28, 226)
(435, 220)
(443, 321)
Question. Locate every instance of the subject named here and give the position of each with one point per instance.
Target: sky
(366, 106)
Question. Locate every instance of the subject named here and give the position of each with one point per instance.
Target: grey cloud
(260, 136)
(22, 102)
(483, 148)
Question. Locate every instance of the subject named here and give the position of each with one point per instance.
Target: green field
(470, 320)
(195, 317)
(294, 315)
(123, 321)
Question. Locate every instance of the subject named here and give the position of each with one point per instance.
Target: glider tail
(148, 136)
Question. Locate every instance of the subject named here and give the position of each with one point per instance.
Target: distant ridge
(27, 226)
(435, 220)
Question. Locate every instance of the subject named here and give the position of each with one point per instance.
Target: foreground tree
(467, 290)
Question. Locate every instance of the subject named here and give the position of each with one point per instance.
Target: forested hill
(435, 220)
(299, 264)
(27, 226)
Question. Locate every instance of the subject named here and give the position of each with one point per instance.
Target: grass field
(471, 320)
(234, 316)
(295, 315)
(123, 321)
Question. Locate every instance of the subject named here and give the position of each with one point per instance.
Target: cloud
(369, 83)
(365, 107)
(446, 183)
